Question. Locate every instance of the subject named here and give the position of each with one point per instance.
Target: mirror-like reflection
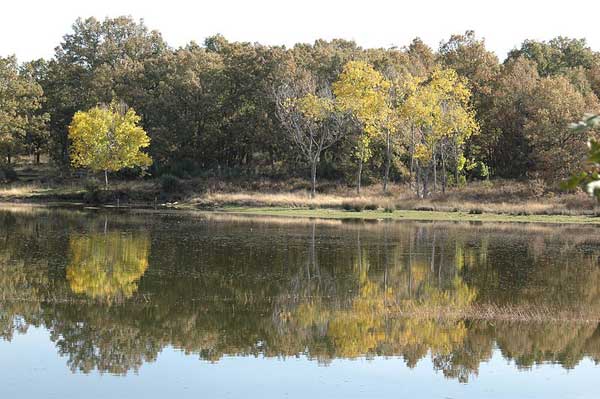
(107, 265)
(114, 289)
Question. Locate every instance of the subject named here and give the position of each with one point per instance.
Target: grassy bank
(497, 201)
(410, 215)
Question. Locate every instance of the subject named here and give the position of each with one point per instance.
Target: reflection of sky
(31, 368)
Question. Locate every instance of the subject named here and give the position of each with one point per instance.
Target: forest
(430, 118)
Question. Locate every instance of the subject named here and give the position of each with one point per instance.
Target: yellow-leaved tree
(108, 139)
(363, 92)
(439, 119)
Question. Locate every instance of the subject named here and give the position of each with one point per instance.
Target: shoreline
(323, 213)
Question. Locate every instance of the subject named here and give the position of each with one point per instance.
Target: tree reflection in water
(107, 265)
(326, 290)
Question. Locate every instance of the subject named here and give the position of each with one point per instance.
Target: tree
(439, 120)
(37, 135)
(20, 102)
(468, 56)
(507, 147)
(555, 56)
(108, 139)
(363, 93)
(556, 150)
(310, 119)
(95, 62)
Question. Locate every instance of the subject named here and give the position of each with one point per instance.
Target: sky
(32, 29)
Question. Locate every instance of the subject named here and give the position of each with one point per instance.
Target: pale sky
(31, 29)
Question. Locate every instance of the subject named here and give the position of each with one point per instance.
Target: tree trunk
(313, 178)
(412, 156)
(388, 162)
(425, 179)
(8, 157)
(37, 158)
(434, 172)
(359, 177)
(444, 173)
(106, 179)
(456, 165)
(418, 181)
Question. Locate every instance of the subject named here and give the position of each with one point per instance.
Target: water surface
(144, 304)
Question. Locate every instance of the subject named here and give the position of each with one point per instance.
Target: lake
(121, 304)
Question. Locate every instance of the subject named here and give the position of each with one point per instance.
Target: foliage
(108, 139)
(93, 193)
(440, 121)
(211, 106)
(170, 184)
(590, 176)
(20, 102)
(308, 116)
(362, 91)
(7, 173)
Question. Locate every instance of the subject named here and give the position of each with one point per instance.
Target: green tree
(555, 56)
(556, 150)
(20, 101)
(469, 57)
(96, 62)
(108, 139)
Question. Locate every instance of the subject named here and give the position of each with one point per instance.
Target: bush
(424, 208)
(353, 206)
(371, 207)
(347, 206)
(7, 174)
(93, 192)
(170, 184)
(358, 207)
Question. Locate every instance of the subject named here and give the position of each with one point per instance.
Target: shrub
(475, 211)
(7, 174)
(358, 207)
(93, 192)
(347, 206)
(170, 184)
(424, 208)
(371, 207)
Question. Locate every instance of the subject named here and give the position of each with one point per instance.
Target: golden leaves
(108, 139)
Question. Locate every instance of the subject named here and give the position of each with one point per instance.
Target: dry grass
(22, 190)
(504, 197)
(501, 197)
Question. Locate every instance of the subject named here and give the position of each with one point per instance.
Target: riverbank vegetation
(235, 123)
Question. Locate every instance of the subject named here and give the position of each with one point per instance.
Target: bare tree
(310, 134)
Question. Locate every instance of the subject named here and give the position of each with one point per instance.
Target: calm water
(100, 304)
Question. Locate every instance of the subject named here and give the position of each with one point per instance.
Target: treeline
(432, 117)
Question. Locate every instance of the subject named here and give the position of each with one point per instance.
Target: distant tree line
(433, 118)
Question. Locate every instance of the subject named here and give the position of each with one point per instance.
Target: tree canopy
(209, 107)
(108, 139)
